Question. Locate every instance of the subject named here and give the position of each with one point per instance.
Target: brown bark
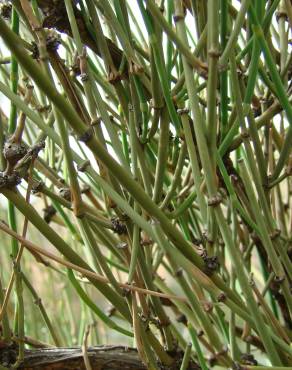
(56, 17)
(101, 358)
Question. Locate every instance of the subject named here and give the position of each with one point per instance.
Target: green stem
(85, 298)
(210, 182)
(281, 92)
(5, 321)
(187, 356)
(235, 32)
(161, 165)
(213, 56)
(197, 347)
(63, 247)
(37, 300)
(223, 74)
(13, 75)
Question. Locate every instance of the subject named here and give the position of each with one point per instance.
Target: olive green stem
(234, 34)
(37, 300)
(62, 246)
(86, 299)
(187, 356)
(210, 182)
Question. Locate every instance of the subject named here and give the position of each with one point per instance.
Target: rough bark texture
(101, 358)
(56, 17)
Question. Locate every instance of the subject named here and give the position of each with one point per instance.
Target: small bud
(65, 193)
(118, 226)
(13, 152)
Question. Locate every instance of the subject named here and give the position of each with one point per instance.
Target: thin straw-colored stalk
(62, 246)
(145, 110)
(83, 271)
(95, 146)
(210, 181)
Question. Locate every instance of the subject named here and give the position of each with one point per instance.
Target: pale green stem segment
(86, 299)
(211, 186)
